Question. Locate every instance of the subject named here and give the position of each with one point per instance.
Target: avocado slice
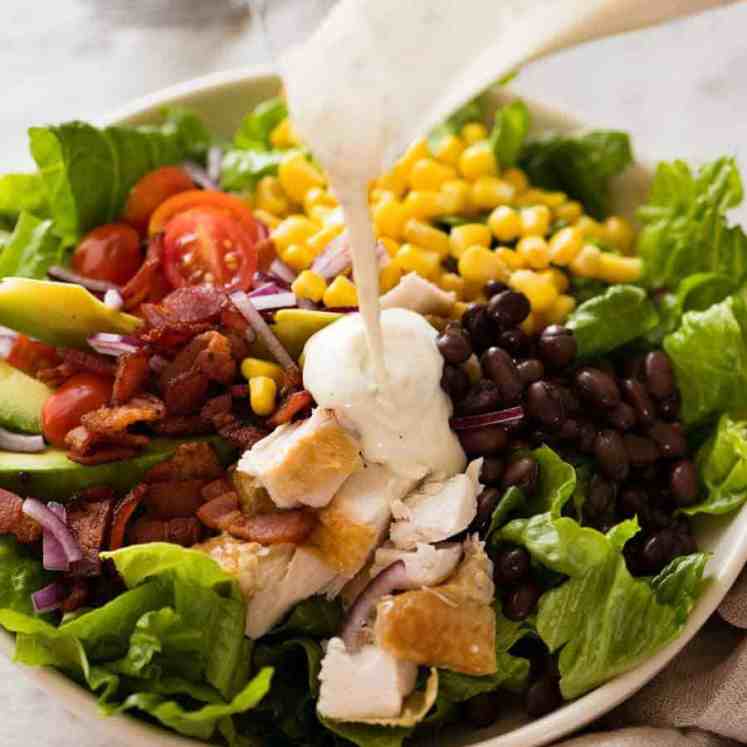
(21, 400)
(50, 475)
(293, 327)
(62, 314)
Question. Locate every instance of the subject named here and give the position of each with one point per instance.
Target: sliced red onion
(68, 276)
(20, 442)
(113, 299)
(108, 343)
(157, 363)
(268, 289)
(306, 303)
(199, 176)
(214, 162)
(499, 417)
(49, 598)
(262, 279)
(49, 521)
(279, 269)
(274, 301)
(54, 558)
(393, 577)
(335, 259)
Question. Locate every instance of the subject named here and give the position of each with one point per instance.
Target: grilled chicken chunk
(417, 294)
(426, 565)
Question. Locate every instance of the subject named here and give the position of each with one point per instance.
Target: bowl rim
(562, 722)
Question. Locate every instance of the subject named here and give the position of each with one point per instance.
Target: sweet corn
(428, 173)
(283, 135)
(560, 309)
(324, 214)
(454, 195)
(448, 149)
(535, 221)
(558, 278)
(616, 269)
(565, 245)
(530, 197)
(251, 367)
(510, 258)
(389, 217)
(318, 242)
(552, 199)
(425, 235)
(309, 285)
(377, 194)
(424, 204)
(298, 256)
(389, 275)
(466, 235)
(505, 223)
(318, 196)
(590, 228)
(587, 262)
(403, 167)
(489, 191)
(450, 281)
(618, 232)
(293, 230)
(394, 181)
(478, 160)
(569, 211)
(539, 290)
(391, 246)
(516, 178)
(479, 265)
(270, 220)
(473, 132)
(340, 292)
(411, 258)
(270, 196)
(298, 176)
(473, 291)
(262, 393)
(458, 309)
(534, 251)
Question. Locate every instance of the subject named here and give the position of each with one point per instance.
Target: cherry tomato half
(205, 245)
(110, 252)
(153, 189)
(63, 410)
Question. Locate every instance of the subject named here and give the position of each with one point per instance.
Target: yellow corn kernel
(422, 234)
(270, 196)
(321, 214)
(534, 252)
(394, 181)
(262, 393)
(293, 230)
(616, 269)
(530, 325)
(423, 204)
(318, 242)
(558, 278)
(428, 173)
(454, 195)
(479, 265)
(270, 220)
(298, 256)
(458, 309)
(251, 367)
(412, 258)
(590, 228)
(569, 211)
(466, 235)
(565, 245)
(298, 176)
(618, 232)
(552, 199)
(561, 308)
(309, 285)
(587, 262)
(340, 292)
(535, 221)
(377, 194)
(389, 217)
(517, 178)
(284, 135)
(472, 290)
(488, 192)
(448, 149)
(510, 258)
(473, 132)
(539, 290)
(391, 246)
(450, 281)
(389, 275)
(318, 196)
(416, 151)
(478, 160)
(505, 223)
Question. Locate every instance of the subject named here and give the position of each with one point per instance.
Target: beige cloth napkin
(699, 700)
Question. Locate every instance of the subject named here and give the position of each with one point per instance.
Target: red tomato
(110, 252)
(63, 410)
(153, 189)
(30, 356)
(205, 245)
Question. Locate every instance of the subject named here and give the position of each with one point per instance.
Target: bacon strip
(114, 420)
(185, 531)
(295, 403)
(195, 460)
(14, 521)
(123, 513)
(170, 500)
(90, 523)
(143, 286)
(131, 376)
(182, 425)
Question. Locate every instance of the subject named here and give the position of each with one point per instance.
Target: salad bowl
(222, 100)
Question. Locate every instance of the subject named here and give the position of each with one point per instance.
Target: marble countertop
(681, 90)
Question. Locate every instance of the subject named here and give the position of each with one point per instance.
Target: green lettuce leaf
(21, 193)
(582, 166)
(21, 575)
(557, 481)
(620, 315)
(31, 249)
(317, 616)
(512, 501)
(242, 169)
(366, 735)
(511, 126)
(256, 127)
(679, 584)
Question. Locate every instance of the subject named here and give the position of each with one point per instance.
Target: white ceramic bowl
(222, 100)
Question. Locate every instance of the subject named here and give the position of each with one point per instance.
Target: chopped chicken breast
(417, 294)
(437, 510)
(426, 565)
(303, 462)
(369, 683)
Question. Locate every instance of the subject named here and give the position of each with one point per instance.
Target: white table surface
(681, 90)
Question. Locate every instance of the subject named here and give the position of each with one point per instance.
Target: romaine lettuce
(22, 193)
(31, 249)
(21, 574)
(511, 126)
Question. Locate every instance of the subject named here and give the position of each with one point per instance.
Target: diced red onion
(54, 558)
(306, 303)
(335, 259)
(499, 417)
(262, 279)
(108, 343)
(274, 301)
(214, 162)
(49, 598)
(157, 363)
(20, 442)
(68, 276)
(268, 289)
(279, 269)
(49, 521)
(113, 299)
(199, 176)
(392, 578)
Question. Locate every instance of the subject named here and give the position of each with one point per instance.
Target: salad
(189, 532)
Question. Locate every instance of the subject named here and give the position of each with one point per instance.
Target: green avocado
(50, 475)
(21, 400)
(62, 314)
(293, 327)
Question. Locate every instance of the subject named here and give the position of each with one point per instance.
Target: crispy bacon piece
(185, 531)
(123, 513)
(217, 408)
(97, 493)
(294, 404)
(195, 460)
(169, 338)
(90, 523)
(216, 488)
(14, 521)
(170, 500)
(182, 425)
(218, 512)
(147, 282)
(76, 597)
(31, 356)
(114, 420)
(103, 455)
(75, 362)
(81, 441)
(131, 376)
(232, 319)
(241, 435)
(240, 391)
(57, 375)
(292, 526)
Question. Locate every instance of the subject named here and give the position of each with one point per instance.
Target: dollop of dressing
(406, 426)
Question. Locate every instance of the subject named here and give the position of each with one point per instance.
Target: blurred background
(681, 90)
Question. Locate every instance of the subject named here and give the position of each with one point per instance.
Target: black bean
(571, 403)
(545, 403)
(601, 496)
(511, 565)
(605, 366)
(597, 387)
(659, 374)
(477, 322)
(642, 451)
(491, 471)
(669, 408)
(610, 454)
(622, 417)
(521, 601)
(637, 397)
(454, 346)
(530, 370)
(684, 482)
(490, 439)
(482, 710)
(509, 309)
(523, 473)
(669, 438)
(455, 382)
(486, 503)
(557, 346)
(484, 396)
(520, 444)
(570, 430)
(587, 435)
(494, 287)
(543, 696)
(499, 366)
(515, 341)
(658, 550)
(632, 502)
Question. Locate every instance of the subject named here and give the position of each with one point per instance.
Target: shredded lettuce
(20, 576)
(511, 126)
(256, 127)
(31, 249)
(22, 193)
